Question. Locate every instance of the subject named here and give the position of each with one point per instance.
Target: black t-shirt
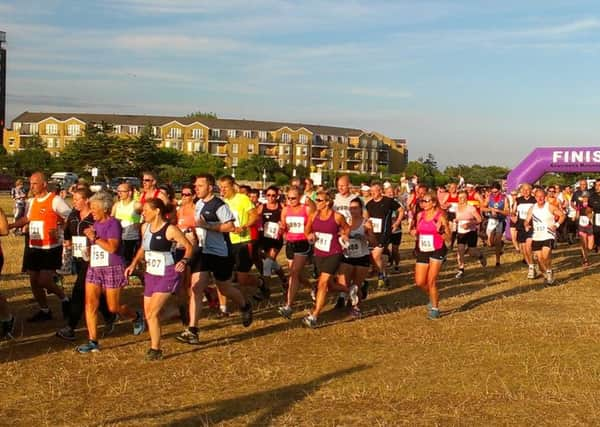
(74, 226)
(523, 206)
(381, 214)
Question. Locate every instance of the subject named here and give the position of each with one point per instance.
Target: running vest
(473, 201)
(358, 246)
(428, 237)
(541, 220)
(157, 250)
(43, 223)
(452, 202)
(295, 223)
(154, 196)
(523, 206)
(497, 202)
(271, 219)
(326, 232)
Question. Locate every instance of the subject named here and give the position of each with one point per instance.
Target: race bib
(426, 243)
(463, 226)
(323, 241)
(522, 210)
(271, 230)
(540, 227)
(355, 248)
(98, 257)
(36, 230)
(453, 207)
(295, 224)
(597, 218)
(79, 244)
(201, 234)
(584, 221)
(377, 223)
(571, 213)
(155, 263)
(492, 224)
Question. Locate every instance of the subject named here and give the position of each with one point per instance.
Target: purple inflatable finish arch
(553, 159)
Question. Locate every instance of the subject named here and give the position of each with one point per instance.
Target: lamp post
(233, 172)
(264, 177)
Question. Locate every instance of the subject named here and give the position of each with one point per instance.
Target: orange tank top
(43, 223)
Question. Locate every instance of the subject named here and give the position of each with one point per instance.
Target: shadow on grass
(268, 404)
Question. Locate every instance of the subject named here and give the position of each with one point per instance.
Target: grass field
(507, 351)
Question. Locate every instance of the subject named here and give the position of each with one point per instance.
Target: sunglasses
(186, 194)
(122, 191)
(425, 200)
(320, 200)
(292, 198)
(271, 195)
(147, 180)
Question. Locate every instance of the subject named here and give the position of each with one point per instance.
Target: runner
(594, 203)
(106, 271)
(584, 216)
(541, 219)
(354, 268)
(396, 236)
(44, 250)
(524, 203)
(162, 275)
(431, 230)
(214, 222)
(326, 228)
(19, 197)
(512, 206)
(127, 212)
(343, 197)
(467, 220)
(570, 225)
(294, 219)
(496, 209)
(451, 204)
(79, 220)
(271, 238)
(149, 187)
(380, 210)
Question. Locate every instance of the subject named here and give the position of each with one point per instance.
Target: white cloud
(380, 93)
(174, 42)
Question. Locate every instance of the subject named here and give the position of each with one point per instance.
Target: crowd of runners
(218, 244)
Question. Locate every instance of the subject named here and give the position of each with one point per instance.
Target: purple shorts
(166, 284)
(111, 277)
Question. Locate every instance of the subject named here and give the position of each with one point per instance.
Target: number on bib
(355, 248)
(584, 221)
(295, 224)
(36, 230)
(323, 241)
(426, 243)
(79, 246)
(201, 234)
(155, 263)
(98, 257)
(377, 223)
(271, 230)
(597, 218)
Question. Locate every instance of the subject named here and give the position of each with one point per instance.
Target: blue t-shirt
(215, 211)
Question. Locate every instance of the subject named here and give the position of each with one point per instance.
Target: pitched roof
(143, 120)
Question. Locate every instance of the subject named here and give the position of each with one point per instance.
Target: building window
(231, 133)
(175, 133)
(197, 147)
(16, 125)
(52, 129)
(73, 130)
(215, 133)
(117, 128)
(262, 135)
(133, 130)
(250, 148)
(234, 148)
(234, 161)
(197, 133)
(247, 134)
(281, 162)
(50, 142)
(190, 146)
(303, 139)
(284, 150)
(286, 137)
(154, 131)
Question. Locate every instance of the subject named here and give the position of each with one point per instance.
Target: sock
(223, 308)
(193, 329)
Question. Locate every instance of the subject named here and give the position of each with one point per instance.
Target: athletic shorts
(327, 264)
(300, 247)
(469, 239)
(240, 252)
(498, 229)
(267, 244)
(166, 284)
(111, 277)
(523, 235)
(220, 266)
(129, 249)
(396, 238)
(383, 240)
(37, 259)
(537, 245)
(364, 261)
(437, 255)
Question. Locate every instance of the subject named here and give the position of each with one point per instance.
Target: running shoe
(188, 337)
(531, 272)
(380, 284)
(7, 328)
(483, 260)
(66, 333)
(247, 315)
(340, 303)
(364, 289)
(550, 278)
(354, 295)
(66, 309)
(285, 311)
(433, 313)
(460, 274)
(139, 325)
(309, 321)
(313, 294)
(40, 316)
(89, 347)
(153, 354)
(355, 312)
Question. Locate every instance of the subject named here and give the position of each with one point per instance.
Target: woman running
(271, 237)
(584, 216)
(467, 221)
(106, 271)
(294, 219)
(162, 271)
(431, 230)
(355, 265)
(328, 230)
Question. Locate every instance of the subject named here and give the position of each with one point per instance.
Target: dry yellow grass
(507, 351)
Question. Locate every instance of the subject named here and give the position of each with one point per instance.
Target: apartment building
(313, 146)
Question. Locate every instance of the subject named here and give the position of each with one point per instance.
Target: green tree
(204, 163)
(253, 167)
(201, 115)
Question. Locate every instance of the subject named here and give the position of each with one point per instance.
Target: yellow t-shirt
(240, 205)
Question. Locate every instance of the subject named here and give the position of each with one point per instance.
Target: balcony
(268, 152)
(319, 142)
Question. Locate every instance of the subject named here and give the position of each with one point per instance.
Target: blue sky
(469, 81)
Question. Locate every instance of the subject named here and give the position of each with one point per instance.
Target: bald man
(45, 214)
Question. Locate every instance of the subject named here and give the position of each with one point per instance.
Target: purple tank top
(326, 236)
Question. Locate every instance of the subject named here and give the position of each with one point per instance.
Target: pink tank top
(428, 237)
(295, 223)
(326, 236)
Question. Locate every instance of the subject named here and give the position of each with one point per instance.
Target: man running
(495, 208)
(524, 203)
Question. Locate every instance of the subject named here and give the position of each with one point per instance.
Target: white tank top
(541, 221)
